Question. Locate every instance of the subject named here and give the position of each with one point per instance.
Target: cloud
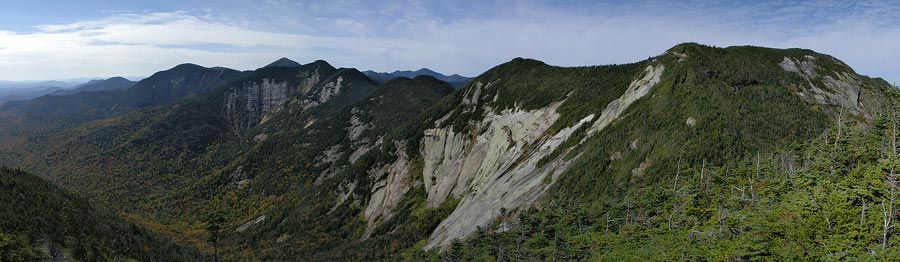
(133, 44)
(445, 37)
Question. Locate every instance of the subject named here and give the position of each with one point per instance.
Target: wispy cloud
(459, 37)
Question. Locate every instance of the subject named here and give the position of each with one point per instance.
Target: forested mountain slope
(726, 157)
(41, 222)
(526, 134)
(238, 145)
(113, 83)
(53, 113)
(830, 198)
(311, 162)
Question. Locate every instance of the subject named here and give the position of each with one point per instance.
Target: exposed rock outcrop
(393, 183)
(498, 169)
(357, 127)
(256, 99)
(323, 94)
(250, 223)
(500, 172)
(254, 102)
(637, 89)
(840, 89)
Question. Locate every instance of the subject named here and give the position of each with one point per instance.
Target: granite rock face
(499, 169)
(254, 102)
(823, 87)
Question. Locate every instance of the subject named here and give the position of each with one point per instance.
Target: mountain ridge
(113, 83)
(283, 62)
(324, 163)
(456, 80)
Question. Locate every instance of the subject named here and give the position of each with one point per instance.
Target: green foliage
(17, 248)
(401, 99)
(36, 215)
(818, 200)
(168, 167)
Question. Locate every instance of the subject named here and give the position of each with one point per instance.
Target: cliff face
(259, 99)
(496, 163)
(499, 169)
(253, 100)
(503, 157)
(839, 87)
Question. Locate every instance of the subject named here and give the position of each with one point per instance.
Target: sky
(45, 40)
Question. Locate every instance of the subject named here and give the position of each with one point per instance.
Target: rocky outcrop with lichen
(843, 89)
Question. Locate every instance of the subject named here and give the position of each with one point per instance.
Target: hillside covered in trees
(42, 222)
(699, 153)
(833, 197)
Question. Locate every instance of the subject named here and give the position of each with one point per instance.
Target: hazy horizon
(41, 41)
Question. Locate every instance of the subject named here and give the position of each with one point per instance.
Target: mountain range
(699, 153)
(24, 90)
(114, 83)
(455, 80)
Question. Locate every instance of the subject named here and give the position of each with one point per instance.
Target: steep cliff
(255, 98)
(523, 126)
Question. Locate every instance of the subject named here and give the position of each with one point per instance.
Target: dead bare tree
(862, 215)
(702, 176)
(519, 241)
(677, 172)
(752, 181)
(607, 223)
(675, 192)
(838, 137)
(891, 181)
(886, 226)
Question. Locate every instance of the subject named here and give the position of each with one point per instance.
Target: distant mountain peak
(283, 62)
(455, 79)
(187, 66)
(117, 78)
(320, 63)
(112, 83)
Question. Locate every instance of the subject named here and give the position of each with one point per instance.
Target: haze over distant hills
(113, 83)
(456, 80)
(24, 90)
(42, 83)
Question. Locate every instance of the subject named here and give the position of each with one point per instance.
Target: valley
(698, 153)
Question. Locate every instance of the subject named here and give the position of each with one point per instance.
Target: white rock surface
(498, 169)
(840, 89)
(508, 177)
(247, 225)
(324, 94)
(637, 89)
(357, 127)
(691, 121)
(256, 99)
(388, 191)
(453, 161)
